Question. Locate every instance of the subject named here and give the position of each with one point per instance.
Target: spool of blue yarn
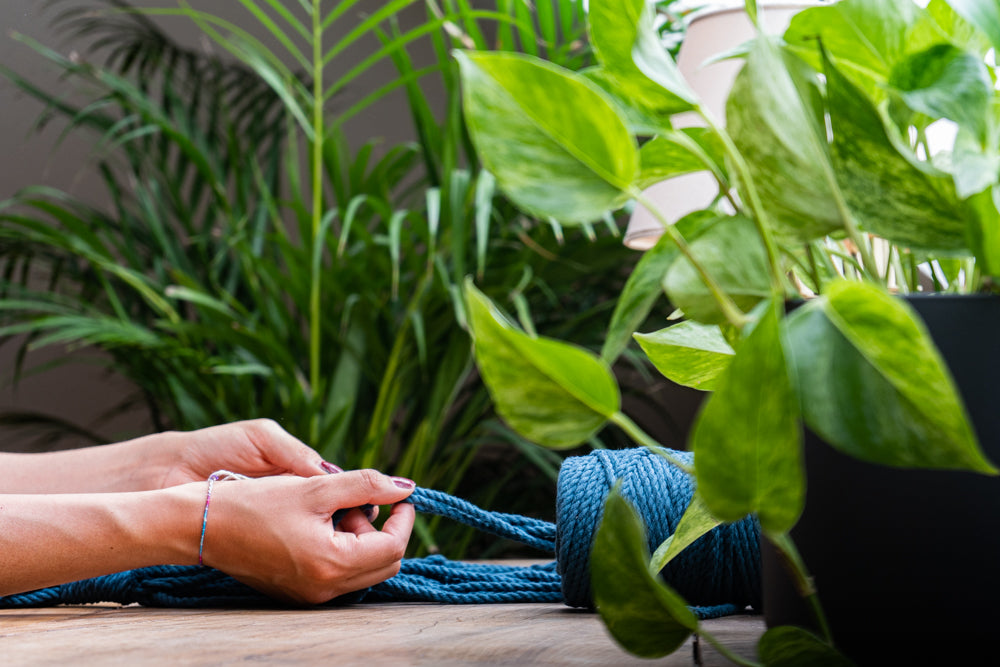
(721, 568)
(719, 573)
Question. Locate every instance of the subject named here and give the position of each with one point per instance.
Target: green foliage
(552, 393)
(747, 444)
(788, 646)
(517, 103)
(643, 288)
(835, 192)
(689, 353)
(856, 346)
(639, 610)
(885, 187)
(732, 251)
(696, 521)
(252, 262)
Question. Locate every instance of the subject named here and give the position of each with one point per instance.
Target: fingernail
(404, 483)
(371, 511)
(329, 468)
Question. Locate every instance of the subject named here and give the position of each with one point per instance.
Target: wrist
(171, 521)
(150, 459)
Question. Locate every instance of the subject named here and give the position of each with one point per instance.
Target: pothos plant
(829, 191)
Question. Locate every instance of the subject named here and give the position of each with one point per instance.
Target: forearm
(51, 539)
(126, 466)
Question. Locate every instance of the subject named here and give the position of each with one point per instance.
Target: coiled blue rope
(719, 573)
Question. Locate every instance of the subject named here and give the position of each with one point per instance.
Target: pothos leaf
(747, 442)
(614, 27)
(774, 116)
(865, 371)
(788, 646)
(555, 143)
(732, 252)
(888, 191)
(641, 612)
(552, 393)
(688, 353)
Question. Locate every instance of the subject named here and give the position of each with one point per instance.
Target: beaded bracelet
(215, 476)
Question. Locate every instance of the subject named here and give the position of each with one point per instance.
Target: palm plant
(250, 263)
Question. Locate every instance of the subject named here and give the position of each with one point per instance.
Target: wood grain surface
(365, 634)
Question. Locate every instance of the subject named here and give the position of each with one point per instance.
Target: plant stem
(803, 582)
(868, 266)
(973, 277)
(914, 273)
(632, 429)
(317, 213)
(814, 269)
(729, 308)
(898, 271)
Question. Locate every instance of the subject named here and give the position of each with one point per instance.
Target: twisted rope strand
(534, 533)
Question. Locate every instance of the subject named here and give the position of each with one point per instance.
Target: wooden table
(366, 634)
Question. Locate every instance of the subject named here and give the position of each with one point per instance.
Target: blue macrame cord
(719, 573)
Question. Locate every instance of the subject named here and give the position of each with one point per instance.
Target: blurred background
(164, 263)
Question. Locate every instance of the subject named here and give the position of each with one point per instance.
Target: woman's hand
(256, 448)
(276, 535)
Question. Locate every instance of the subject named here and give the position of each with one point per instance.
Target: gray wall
(83, 392)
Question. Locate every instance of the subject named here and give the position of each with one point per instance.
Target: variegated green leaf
(984, 230)
(775, 119)
(864, 37)
(887, 190)
(973, 164)
(944, 81)
(688, 353)
(555, 143)
(614, 27)
(872, 384)
(653, 60)
(954, 27)
(552, 393)
(695, 522)
(645, 284)
(747, 440)
(679, 152)
(983, 14)
(640, 611)
(731, 251)
(642, 118)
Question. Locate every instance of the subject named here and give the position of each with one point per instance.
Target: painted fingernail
(404, 483)
(329, 468)
(371, 511)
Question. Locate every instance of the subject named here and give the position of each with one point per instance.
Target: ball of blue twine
(719, 574)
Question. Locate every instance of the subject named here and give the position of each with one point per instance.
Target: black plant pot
(907, 563)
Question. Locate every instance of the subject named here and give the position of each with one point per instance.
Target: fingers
(355, 522)
(377, 549)
(362, 487)
(284, 450)
(400, 522)
(371, 578)
(376, 555)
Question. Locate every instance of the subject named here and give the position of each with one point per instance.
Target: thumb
(364, 487)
